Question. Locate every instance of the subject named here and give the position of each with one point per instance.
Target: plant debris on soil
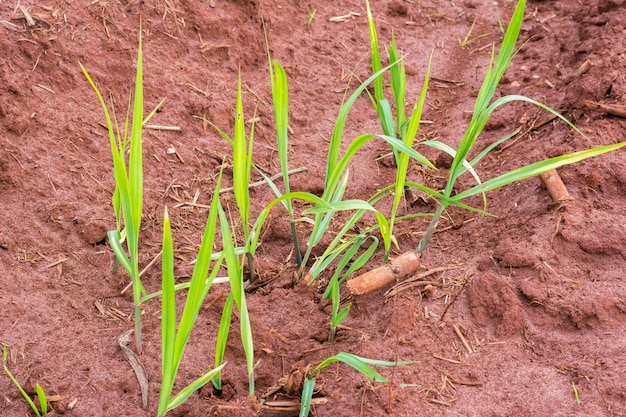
(525, 312)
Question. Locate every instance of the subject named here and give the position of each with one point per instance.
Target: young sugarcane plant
(337, 173)
(128, 194)
(403, 128)
(40, 411)
(336, 181)
(410, 261)
(280, 100)
(338, 314)
(235, 265)
(360, 364)
(242, 167)
(173, 340)
(398, 85)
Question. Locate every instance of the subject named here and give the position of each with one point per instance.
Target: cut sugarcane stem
(384, 275)
(399, 267)
(555, 186)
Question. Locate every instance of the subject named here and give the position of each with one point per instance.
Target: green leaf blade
(169, 364)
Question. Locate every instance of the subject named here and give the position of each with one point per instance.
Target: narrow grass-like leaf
(442, 199)
(128, 194)
(242, 166)
(241, 171)
(168, 317)
(359, 363)
(402, 159)
(17, 384)
(280, 99)
(200, 284)
(222, 338)
(43, 400)
(343, 262)
(118, 250)
(153, 112)
(134, 201)
(376, 63)
(398, 85)
(186, 392)
(296, 195)
(337, 316)
(174, 341)
(535, 169)
(308, 387)
(235, 274)
(341, 165)
(383, 224)
(359, 262)
(385, 115)
(486, 92)
(337, 135)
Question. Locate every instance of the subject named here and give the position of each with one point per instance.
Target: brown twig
(611, 109)
(416, 281)
(143, 271)
(163, 127)
(124, 340)
(462, 338)
(446, 359)
(456, 296)
(468, 383)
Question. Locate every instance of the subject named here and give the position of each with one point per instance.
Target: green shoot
(332, 291)
(222, 338)
(336, 180)
(41, 395)
(242, 167)
(173, 341)
(235, 264)
(336, 170)
(405, 130)
(576, 397)
(360, 364)
(311, 17)
(280, 98)
(128, 194)
(43, 399)
(381, 104)
(402, 159)
(482, 110)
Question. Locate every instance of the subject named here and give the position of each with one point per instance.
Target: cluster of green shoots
(347, 253)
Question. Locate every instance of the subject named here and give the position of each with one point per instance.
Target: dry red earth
(537, 290)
